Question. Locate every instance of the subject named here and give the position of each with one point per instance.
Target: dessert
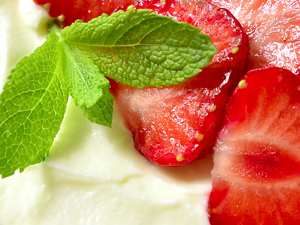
(280, 80)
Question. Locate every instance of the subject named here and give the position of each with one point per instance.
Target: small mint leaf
(141, 49)
(102, 112)
(82, 76)
(32, 107)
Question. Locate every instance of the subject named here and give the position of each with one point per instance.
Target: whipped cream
(93, 174)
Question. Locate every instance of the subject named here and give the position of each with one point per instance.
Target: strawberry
(273, 27)
(177, 125)
(256, 174)
(67, 11)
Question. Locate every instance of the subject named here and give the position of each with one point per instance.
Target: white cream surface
(93, 174)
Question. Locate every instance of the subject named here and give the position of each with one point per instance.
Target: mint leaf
(88, 87)
(32, 107)
(83, 77)
(101, 112)
(142, 49)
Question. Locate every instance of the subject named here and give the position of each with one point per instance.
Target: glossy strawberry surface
(273, 27)
(70, 10)
(256, 175)
(177, 125)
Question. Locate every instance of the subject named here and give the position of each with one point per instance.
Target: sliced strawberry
(256, 175)
(70, 10)
(177, 125)
(273, 27)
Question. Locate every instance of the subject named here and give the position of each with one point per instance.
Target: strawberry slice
(256, 176)
(177, 125)
(273, 27)
(67, 11)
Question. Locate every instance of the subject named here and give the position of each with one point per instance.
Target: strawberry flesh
(256, 174)
(177, 125)
(273, 27)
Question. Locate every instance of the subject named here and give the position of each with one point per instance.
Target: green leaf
(102, 112)
(32, 107)
(142, 49)
(83, 77)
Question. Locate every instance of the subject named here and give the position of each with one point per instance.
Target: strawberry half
(273, 27)
(177, 125)
(256, 174)
(68, 11)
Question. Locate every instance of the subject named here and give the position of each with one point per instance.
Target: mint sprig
(138, 48)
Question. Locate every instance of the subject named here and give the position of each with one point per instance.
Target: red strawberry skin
(84, 10)
(177, 125)
(273, 27)
(256, 174)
